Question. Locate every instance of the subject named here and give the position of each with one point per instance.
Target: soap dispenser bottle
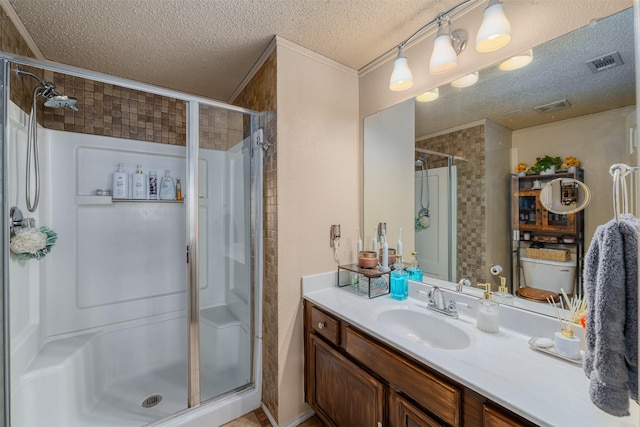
(167, 187)
(415, 273)
(487, 317)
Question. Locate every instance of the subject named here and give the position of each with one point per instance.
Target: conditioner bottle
(167, 187)
(120, 189)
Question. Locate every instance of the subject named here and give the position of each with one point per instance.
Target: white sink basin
(423, 327)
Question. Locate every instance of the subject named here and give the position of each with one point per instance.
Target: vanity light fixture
(465, 81)
(520, 60)
(428, 96)
(401, 77)
(446, 47)
(494, 33)
(495, 30)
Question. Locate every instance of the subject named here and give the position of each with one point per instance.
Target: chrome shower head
(61, 101)
(48, 91)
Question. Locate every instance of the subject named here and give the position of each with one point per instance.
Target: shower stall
(142, 311)
(435, 213)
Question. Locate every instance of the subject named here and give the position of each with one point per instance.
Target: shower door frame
(193, 104)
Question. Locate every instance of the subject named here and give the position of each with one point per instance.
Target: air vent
(553, 106)
(605, 62)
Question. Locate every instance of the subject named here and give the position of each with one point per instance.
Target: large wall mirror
(468, 141)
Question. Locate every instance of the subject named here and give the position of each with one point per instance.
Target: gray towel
(611, 288)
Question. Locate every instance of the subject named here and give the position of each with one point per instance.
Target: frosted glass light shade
(521, 60)
(465, 81)
(495, 30)
(429, 96)
(444, 57)
(401, 77)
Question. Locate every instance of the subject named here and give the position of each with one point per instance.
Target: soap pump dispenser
(487, 317)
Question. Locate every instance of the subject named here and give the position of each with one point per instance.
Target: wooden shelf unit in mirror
(531, 222)
(528, 214)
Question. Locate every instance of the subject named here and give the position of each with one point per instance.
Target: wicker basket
(561, 255)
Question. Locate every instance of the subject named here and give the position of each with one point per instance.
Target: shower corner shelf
(108, 200)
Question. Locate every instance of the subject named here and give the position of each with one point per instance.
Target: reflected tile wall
(468, 144)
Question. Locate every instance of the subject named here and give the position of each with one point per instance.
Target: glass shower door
(224, 251)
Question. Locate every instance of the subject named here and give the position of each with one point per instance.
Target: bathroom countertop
(543, 389)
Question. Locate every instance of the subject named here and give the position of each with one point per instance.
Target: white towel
(611, 288)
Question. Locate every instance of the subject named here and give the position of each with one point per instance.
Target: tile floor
(258, 418)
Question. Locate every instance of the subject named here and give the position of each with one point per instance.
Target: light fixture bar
(434, 20)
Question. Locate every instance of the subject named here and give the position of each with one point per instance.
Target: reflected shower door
(436, 244)
(225, 256)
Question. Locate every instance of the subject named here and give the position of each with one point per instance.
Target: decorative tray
(550, 349)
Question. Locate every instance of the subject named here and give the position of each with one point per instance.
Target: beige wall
(317, 186)
(597, 140)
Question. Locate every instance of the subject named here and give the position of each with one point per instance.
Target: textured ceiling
(558, 71)
(207, 47)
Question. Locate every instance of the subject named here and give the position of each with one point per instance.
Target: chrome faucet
(462, 283)
(437, 303)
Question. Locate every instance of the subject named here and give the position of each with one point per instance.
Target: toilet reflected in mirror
(565, 196)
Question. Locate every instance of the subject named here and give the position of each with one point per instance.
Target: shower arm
(49, 88)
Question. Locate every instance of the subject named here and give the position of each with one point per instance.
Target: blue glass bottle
(415, 272)
(399, 282)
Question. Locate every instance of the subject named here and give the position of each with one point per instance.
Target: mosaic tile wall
(471, 222)
(221, 129)
(114, 111)
(260, 95)
(109, 110)
(12, 42)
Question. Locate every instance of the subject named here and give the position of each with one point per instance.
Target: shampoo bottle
(120, 189)
(153, 185)
(139, 184)
(178, 189)
(167, 187)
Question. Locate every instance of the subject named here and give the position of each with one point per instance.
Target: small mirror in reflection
(565, 196)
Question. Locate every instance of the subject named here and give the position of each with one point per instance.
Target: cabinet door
(403, 413)
(341, 393)
(558, 222)
(526, 210)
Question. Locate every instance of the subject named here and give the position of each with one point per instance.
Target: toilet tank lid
(570, 263)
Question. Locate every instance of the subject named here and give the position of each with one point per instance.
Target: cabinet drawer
(325, 325)
(492, 417)
(433, 393)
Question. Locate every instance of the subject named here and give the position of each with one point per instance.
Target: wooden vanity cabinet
(352, 380)
(341, 393)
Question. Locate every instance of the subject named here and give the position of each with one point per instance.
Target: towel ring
(619, 171)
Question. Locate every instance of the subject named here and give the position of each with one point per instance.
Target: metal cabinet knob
(320, 325)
